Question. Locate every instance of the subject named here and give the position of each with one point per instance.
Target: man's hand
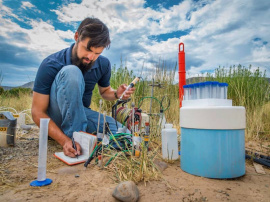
(69, 150)
(39, 110)
(121, 89)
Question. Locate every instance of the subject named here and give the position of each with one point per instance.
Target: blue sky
(215, 33)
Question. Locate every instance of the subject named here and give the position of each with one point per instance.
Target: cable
(258, 155)
(160, 102)
(260, 161)
(8, 108)
(113, 139)
(169, 103)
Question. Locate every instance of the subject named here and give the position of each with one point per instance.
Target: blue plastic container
(213, 153)
(213, 140)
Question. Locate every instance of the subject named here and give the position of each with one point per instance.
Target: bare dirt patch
(19, 167)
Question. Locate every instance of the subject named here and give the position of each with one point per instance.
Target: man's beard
(75, 60)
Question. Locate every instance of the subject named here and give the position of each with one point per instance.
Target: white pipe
(43, 142)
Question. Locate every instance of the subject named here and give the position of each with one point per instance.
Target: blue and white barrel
(213, 141)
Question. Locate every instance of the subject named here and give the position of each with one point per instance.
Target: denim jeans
(66, 106)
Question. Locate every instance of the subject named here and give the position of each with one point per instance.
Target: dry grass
(258, 122)
(125, 166)
(17, 105)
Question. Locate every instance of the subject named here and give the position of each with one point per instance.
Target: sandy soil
(19, 167)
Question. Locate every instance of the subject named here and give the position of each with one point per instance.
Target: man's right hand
(39, 110)
(69, 150)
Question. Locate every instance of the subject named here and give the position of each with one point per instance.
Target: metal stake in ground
(133, 126)
(152, 94)
(159, 85)
(104, 129)
(100, 105)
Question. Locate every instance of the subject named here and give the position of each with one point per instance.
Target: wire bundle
(122, 114)
(120, 142)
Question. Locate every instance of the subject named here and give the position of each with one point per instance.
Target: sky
(143, 33)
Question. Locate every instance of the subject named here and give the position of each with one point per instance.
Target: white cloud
(123, 16)
(218, 33)
(221, 31)
(261, 54)
(6, 11)
(42, 39)
(27, 5)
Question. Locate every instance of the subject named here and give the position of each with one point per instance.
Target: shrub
(246, 88)
(1, 90)
(16, 92)
(250, 89)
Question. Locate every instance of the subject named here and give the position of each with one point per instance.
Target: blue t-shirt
(100, 73)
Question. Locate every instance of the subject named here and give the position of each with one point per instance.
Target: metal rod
(104, 128)
(133, 127)
(100, 104)
(152, 94)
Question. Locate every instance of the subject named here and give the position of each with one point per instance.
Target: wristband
(115, 95)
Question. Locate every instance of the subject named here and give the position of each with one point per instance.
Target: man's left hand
(121, 89)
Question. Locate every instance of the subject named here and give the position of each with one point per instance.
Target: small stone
(161, 165)
(126, 192)
(77, 175)
(9, 157)
(204, 198)
(26, 127)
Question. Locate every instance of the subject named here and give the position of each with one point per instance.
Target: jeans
(66, 106)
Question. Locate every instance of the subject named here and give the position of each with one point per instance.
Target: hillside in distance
(26, 85)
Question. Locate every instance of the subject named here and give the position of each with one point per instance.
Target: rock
(26, 127)
(68, 170)
(126, 192)
(9, 157)
(161, 165)
(77, 175)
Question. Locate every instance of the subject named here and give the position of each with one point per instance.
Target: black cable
(257, 160)
(99, 147)
(162, 106)
(259, 155)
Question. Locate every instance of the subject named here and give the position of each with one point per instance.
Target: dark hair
(96, 30)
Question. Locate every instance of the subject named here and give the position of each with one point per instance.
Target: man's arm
(108, 93)
(40, 105)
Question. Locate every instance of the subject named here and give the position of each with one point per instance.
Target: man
(65, 81)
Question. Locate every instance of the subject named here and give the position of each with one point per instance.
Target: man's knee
(71, 71)
(71, 75)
